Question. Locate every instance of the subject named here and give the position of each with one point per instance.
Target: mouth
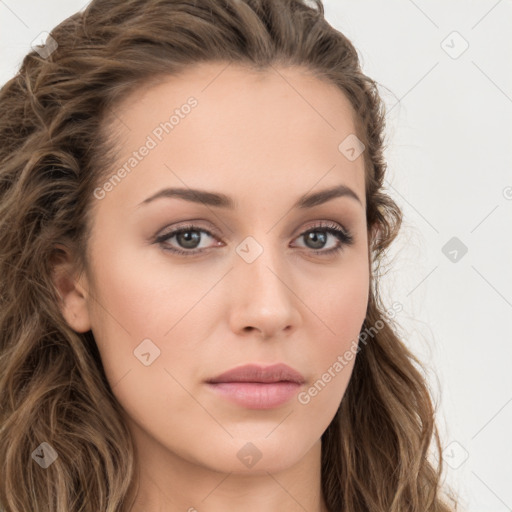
(257, 387)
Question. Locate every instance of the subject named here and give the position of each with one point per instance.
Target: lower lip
(257, 395)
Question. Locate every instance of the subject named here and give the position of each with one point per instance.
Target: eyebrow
(223, 201)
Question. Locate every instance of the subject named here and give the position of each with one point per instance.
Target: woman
(192, 219)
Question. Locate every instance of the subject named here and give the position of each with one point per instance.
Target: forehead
(235, 80)
(268, 127)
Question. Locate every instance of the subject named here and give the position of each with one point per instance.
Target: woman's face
(263, 272)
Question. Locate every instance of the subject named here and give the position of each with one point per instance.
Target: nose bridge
(262, 297)
(259, 260)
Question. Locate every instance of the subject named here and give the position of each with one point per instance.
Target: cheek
(135, 297)
(130, 304)
(341, 309)
(149, 311)
(342, 299)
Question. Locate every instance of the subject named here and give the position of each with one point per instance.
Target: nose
(263, 297)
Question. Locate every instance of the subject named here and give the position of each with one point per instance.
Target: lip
(258, 387)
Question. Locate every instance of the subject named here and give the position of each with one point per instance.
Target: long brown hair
(54, 151)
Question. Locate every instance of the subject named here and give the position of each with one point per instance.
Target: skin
(264, 143)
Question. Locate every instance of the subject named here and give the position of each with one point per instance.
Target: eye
(190, 239)
(318, 236)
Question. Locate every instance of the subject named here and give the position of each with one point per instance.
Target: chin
(259, 455)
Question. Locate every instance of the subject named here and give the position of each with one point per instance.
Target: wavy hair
(55, 149)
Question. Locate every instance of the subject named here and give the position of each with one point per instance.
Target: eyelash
(344, 237)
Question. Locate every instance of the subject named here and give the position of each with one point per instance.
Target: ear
(71, 288)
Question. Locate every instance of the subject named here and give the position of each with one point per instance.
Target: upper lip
(256, 373)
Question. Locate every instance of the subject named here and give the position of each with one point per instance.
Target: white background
(449, 138)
